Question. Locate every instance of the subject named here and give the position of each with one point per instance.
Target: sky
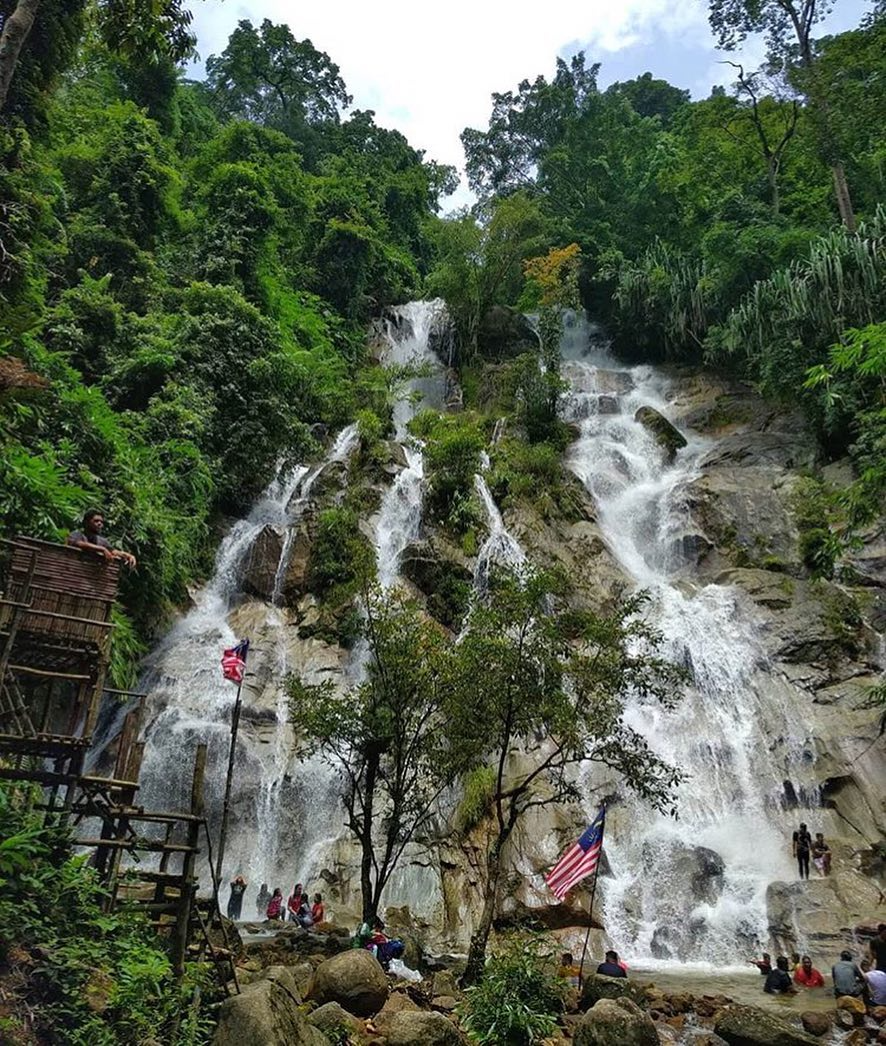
(429, 69)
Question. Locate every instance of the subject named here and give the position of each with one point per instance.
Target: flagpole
(584, 951)
(235, 725)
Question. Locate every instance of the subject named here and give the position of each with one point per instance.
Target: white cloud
(429, 69)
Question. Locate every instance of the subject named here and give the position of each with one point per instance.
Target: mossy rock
(662, 431)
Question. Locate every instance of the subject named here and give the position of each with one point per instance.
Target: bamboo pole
(223, 832)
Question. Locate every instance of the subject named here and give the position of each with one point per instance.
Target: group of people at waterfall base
(804, 847)
(308, 913)
(864, 980)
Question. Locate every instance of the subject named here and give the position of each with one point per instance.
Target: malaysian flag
(579, 860)
(233, 661)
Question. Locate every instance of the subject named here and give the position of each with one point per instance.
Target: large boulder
(334, 1020)
(268, 1014)
(669, 438)
(505, 332)
(354, 979)
(422, 1029)
(616, 1022)
(258, 569)
(750, 1026)
(597, 987)
(399, 1002)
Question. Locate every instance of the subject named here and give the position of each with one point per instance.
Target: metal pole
(584, 951)
(235, 726)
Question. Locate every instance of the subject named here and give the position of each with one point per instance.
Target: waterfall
(691, 889)
(408, 343)
(189, 702)
(500, 549)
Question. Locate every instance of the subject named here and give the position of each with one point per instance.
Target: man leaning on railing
(91, 539)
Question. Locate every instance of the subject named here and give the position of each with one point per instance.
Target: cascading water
(189, 702)
(500, 549)
(691, 889)
(408, 343)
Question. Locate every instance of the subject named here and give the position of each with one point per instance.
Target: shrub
(520, 997)
(453, 443)
(340, 554)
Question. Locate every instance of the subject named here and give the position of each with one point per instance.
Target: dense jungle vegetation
(188, 267)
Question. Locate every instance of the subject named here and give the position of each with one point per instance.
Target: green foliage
(478, 790)
(104, 979)
(387, 736)
(341, 557)
(452, 446)
(531, 472)
(520, 997)
(820, 544)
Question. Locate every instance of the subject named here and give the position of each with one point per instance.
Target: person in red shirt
(807, 976)
(318, 911)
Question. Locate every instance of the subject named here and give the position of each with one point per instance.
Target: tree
(388, 737)
(772, 145)
(651, 97)
(267, 76)
(552, 285)
(552, 681)
(788, 26)
(480, 264)
(16, 27)
(523, 125)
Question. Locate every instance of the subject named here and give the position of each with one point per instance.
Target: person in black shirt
(610, 967)
(878, 948)
(235, 901)
(91, 539)
(778, 981)
(802, 846)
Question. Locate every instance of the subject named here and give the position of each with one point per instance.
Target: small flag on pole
(233, 661)
(579, 860)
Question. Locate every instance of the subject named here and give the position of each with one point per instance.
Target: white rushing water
(691, 889)
(190, 702)
(408, 334)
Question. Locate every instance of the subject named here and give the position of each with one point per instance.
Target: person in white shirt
(876, 983)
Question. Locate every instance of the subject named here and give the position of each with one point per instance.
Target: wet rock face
(668, 437)
(505, 333)
(259, 567)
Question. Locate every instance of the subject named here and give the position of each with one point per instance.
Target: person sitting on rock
(821, 855)
(385, 948)
(778, 981)
(610, 966)
(318, 911)
(568, 969)
(878, 948)
(807, 976)
(848, 978)
(275, 905)
(876, 983)
(91, 539)
(305, 919)
(293, 905)
(764, 965)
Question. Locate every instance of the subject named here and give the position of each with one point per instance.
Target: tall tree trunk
(12, 40)
(366, 892)
(480, 937)
(844, 200)
(772, 172)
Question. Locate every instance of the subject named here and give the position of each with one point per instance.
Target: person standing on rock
(778, 981)
(610, 967)
(807, 976)
(878, 948)
(848, 978)
(802, 847)
(235, 901)
(261, 901)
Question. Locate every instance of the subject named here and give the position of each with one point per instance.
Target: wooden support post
(223, 832)
(183, 918)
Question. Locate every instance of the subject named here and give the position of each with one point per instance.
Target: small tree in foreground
(387, 736)
(552, 681)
